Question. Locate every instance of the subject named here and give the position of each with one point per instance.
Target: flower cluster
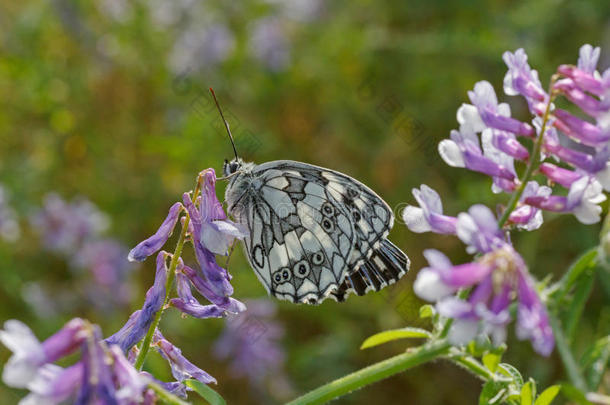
(497, 277)
(102, 374)
(487, 140)
(211, 233)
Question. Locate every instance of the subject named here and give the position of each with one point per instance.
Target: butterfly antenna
(225, 122)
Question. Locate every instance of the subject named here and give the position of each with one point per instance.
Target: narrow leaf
(527, 396)
(595, 361)
(584, 262)
(582, 290)
(547, 396)
(205, 392)
(389, 335)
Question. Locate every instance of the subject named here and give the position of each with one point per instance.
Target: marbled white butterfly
(314, 233)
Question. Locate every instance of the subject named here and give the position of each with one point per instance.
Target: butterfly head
(231, 167)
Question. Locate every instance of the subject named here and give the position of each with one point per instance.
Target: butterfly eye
(328, 209)
(328, 225)
(317, 258)
(301, 269)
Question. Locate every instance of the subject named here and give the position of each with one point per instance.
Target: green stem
(473, 366)
(168, 286)
(565, 353)
(166, 397)
(532, 164)
(374, 373)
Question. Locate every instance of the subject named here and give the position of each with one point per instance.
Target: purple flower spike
(139, 322)
(29, 354)
(182, 369)
(155, 242)
(479, 230)
(580, 130)
(429, 215)
(460, 151)
(526, 216)
(496, 115)
(521, 79)
(132, 383)
(559, 175)
(206, 289)
(532, 318)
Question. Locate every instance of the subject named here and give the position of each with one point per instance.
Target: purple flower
(139, 322)
(494, 115)
(580, 130)
(29, 354)
(156, 241)
(200, 47)
(132, 383)
(526, 216)
(478, 229)
(98, 385)
(588, 58)
(521, 79)
(590, 105)
(585, 75)
(9, 225)
(496, 278)
(490, 139)
(429, 215)
(462, 151)
(559, 175)
(53, 384)
(582, 200)
(64, 226)
(251, 340)
(182, 369)
(532, 318)
(594, 162)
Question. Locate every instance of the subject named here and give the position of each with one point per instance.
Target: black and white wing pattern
(314, 232)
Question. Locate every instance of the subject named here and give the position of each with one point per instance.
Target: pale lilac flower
(9, 224)
(559, 175)
(590, 162)
(580, 130)
(532, 318)
(489, 140)
(149, 246)
(589, 104)
(429, 215)
(521, 79)
(268, 43)
(251, 340)
(462, 151)
(201, 46)
(525, 216)
(478, 229)
(64, 226)
(495, 115)
(583, 200)
(182, 369)
(53, 384)
(588, 57)
(29, 354)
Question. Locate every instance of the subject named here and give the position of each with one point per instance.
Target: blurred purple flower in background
(268, 43)
(251, 341)
(9, 224)
(201, 47)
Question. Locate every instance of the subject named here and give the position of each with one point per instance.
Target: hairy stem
(533, 162)
(168, 286)
(374, 373)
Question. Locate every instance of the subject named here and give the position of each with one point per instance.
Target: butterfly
(314, 233)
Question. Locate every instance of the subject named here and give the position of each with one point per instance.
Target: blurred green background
(106, 100)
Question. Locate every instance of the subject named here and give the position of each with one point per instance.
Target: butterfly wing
(314, 232)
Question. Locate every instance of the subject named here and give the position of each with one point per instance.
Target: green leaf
(510, 371)
(491, 361)
(574, 394)
(547, 396)
(426, 311)
(527, 395)
(206, 392)
(493, 392)
(584, 262)
(394, 334)
(594, 362)
(582, 290)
